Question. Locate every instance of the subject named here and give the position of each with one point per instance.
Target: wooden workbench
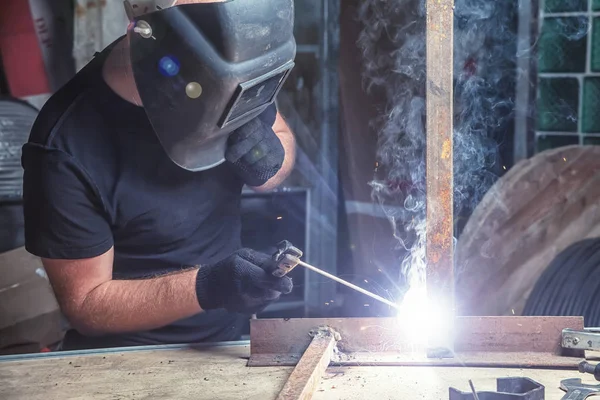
(220, 372)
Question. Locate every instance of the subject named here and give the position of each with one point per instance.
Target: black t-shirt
(96, 177)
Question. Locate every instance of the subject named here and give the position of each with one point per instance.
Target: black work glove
(240, 283)
(255, 152)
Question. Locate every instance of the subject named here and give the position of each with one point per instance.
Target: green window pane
(551, 6)
(562, 44)
(595, 62)
(547, 142)
(596, 5)
(591, 105)
(592, 140)
(557, 107)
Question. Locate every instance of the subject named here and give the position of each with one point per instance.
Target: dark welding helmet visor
(203, 70)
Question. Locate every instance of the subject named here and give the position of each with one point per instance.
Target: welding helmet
(203, 70)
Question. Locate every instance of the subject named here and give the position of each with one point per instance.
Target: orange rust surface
(446, 149)
(440, 190)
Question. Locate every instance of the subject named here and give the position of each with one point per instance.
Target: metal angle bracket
(522, 342)
(508, 389)
(586, 339)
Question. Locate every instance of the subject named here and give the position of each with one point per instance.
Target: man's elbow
(268, 186)
(83, 317)
(88, 330)
(83, 321)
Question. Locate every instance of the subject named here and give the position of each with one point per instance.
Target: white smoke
(393, 45)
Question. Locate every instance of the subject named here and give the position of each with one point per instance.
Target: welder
(134, 170)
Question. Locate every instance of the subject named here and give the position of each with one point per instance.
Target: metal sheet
(440, 185)
(479, 341)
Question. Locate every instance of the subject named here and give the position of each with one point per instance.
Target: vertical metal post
(324, 195)
(440, 221)
(523, 92)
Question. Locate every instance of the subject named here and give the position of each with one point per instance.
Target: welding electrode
(348, 284)
(288, 257)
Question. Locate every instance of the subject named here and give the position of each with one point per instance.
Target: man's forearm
(120, 306)
(289, 146)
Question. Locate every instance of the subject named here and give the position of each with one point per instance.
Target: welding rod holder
(287, 257)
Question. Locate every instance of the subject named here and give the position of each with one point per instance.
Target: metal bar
(471, 360)
(113, 350)
(523, 87)
(304, 380)
(324, 202)
(440, 220)
(506, 341)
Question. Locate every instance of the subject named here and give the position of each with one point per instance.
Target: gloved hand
(240, 283)
(255, 152)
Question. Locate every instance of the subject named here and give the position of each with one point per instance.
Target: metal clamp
(508, 389)
(588, 339)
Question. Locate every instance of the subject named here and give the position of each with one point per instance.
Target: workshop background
(527, 78)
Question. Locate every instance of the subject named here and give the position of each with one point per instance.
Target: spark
(279, 217)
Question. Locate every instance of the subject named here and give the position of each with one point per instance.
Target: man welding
(134, 172)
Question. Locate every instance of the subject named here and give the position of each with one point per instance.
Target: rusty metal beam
(480, 341)
(440, 220)
(304, 380)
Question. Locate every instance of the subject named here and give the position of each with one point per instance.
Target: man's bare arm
(285, 135)
(94, 303)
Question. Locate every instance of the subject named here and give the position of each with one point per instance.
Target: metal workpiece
(586, 339)
(520, 342)
(439, 160)
(577, 390)
(507, 389)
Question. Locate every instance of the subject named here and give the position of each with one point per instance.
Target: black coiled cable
(570, 286)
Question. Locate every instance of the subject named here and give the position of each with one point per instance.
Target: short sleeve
(63, 213)
(269, 115)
